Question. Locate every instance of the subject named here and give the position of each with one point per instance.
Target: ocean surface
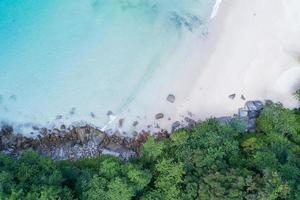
(70, 62)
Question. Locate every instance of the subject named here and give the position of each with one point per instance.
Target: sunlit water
(72, 61)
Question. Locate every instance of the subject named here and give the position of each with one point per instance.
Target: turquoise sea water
(72, 61)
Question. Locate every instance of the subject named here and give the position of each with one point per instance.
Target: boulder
(159, 116)
(171, 98)
(254, 105)
(175, 125)
(243, 112)
(135, 123)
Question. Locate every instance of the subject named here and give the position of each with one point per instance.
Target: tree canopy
(209, 161)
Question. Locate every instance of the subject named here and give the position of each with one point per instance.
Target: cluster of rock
(87, 141)
(73, 143)
(248, 114)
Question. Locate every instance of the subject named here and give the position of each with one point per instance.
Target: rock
(175, 125)
(171, 98)
(63, 127)
(58, 117)
(121, 122)
(254, 105)
(190, 122)
(109, 113)
(243, 97)
(72, 111)
(224, 120)
(253, 114)
(259, 105)
(159, 116)
(243, 112)
(232, 96)
(135, 123)
(251, 124)
(92, 115)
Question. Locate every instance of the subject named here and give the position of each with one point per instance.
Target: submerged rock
(109, 113)
(121, 122)
(135, 123)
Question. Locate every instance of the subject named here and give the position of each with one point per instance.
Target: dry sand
(256, 44)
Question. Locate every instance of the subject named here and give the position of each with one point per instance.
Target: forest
(209, 161)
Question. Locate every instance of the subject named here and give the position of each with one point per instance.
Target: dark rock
(232, 96)
(121, 122)
(58, 117)
(175, 125)
(159, 116)
(109, 113)
(243, 97)
(171, 98)
(224, 120)
(251, 124)
(92, 115)
(191, 122)
(253, 114)
(63, 127)
(72, 111)
(135, 123)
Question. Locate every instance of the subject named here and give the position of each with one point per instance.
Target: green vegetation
(297, 93)
(209, 162)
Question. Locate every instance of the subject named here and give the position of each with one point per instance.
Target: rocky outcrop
(248, 114)
(87, 141)
(74, 143)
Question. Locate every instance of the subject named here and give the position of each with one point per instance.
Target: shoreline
(73, 143)
(245, 69)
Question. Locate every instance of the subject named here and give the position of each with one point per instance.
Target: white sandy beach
(256, 48)
(252, 49)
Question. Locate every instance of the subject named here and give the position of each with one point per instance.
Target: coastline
(73, 143)
(235, 57)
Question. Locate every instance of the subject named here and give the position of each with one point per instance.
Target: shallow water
(72, 61)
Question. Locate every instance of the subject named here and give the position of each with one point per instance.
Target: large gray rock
(243, 112)
(251, 124)
(254, 105)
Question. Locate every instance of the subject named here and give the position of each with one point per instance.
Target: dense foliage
(210, 161)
